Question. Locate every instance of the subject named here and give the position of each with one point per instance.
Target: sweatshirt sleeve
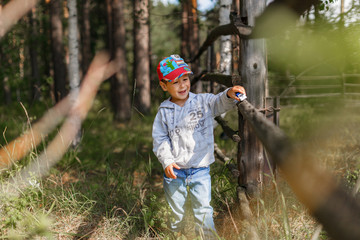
(220, 103)
(161, 141)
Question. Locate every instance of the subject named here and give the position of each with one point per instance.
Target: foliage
(322, 43)
(165, 30)
(324, 4)
(110, 187)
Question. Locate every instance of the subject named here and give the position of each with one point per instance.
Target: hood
(168, 104)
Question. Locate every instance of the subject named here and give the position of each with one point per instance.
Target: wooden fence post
(253, 75)
(343, 80)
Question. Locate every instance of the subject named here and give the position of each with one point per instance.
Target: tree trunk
(142, 56)
(119, 83)
(74, 74)
(317, 15)
(85, 36)
(225, 41)
(109, 31)
(45, 46)
(57, 50)
(235, 40)
(3, 74)
(236, 6)
(184, 46)
(190, 37)
(109, 24)
(253, 75)
(33, 50)
(194, 41)
(4, 77)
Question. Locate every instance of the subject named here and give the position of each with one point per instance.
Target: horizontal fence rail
(301, 87)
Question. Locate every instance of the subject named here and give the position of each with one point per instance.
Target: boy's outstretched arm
(169, 170)
(232, 92)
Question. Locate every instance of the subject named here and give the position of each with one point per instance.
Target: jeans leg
(200, 193)
(175, 195)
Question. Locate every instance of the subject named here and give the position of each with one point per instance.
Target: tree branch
(228, 131)
(239, 29)
(249, 222)
(226, 160)
(219, 78)
(198, 78)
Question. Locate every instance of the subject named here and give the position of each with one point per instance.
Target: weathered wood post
(253, 72)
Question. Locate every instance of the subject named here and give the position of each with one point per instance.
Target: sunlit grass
(111, 186)
(328, 132)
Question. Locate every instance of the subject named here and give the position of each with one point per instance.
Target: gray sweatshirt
(185, 135)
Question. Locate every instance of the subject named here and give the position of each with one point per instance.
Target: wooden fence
(318, 190)
(328, 201)
(346, 86)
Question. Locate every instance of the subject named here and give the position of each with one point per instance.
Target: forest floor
(110, 187)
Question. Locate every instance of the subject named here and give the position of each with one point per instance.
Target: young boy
(184, 143)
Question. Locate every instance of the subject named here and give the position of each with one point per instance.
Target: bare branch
(198, 77)
(244, 207)
(227, 130)
(224, 159)
(229, 29)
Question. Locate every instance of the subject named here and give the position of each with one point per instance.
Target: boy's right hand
(169, 170)
(234, 90)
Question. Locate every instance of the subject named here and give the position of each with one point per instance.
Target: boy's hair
(172, 68)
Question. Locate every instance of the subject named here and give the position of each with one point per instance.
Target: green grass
(111, 186)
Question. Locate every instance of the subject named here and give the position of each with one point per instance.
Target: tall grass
(331, 133)
(111, 186)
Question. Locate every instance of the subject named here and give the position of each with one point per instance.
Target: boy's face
(178, 89)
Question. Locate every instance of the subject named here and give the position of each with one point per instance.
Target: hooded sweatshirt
(185, 135)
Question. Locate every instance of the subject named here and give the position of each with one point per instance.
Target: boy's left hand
(232, 92)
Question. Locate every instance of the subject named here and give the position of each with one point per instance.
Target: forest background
(108, 186)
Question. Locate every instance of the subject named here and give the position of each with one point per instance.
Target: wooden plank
(351, 85)
(352, 94)
(351, 75)
(312, 95)
(316, 78)
(304, 87)
(284, 78)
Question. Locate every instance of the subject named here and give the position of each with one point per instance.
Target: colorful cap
(171, 68)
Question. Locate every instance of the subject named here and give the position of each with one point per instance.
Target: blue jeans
(198, 180)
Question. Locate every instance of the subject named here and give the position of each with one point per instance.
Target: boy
(184, 143)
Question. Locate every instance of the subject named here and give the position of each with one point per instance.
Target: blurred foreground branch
(329, 203)
(12, 12)
(100, 69)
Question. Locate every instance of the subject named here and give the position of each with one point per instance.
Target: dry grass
(112, 188)
(334, 138)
